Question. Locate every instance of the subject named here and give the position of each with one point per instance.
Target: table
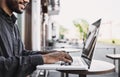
(115, 57)
(97, 67)
(70, 50)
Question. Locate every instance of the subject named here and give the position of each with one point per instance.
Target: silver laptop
(82, 62)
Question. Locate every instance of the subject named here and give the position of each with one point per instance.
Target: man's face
(17, 5)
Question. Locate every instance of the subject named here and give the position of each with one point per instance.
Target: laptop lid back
(90, 42)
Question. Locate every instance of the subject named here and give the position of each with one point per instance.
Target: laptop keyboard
(77, 61)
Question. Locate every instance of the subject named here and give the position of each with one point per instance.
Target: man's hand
(57, 56)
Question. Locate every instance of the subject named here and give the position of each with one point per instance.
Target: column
(36, 24)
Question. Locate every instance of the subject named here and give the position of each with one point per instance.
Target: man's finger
(67, 55)
(66, 60)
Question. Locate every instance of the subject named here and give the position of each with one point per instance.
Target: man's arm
(52, 56)
(21, 65)
(18, 64)
(30, 52)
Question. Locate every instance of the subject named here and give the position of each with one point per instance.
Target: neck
(5, 8)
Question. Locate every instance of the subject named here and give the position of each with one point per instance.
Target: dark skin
(18, 6)
(56, 56)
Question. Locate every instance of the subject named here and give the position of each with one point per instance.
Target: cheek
(13, 4)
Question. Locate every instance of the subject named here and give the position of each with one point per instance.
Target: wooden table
(115, 57)
(97, 67)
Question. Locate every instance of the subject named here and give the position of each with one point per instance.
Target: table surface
(71, 50)
(113, 56)
(97, 67)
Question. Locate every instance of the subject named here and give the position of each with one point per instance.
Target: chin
(19, 11)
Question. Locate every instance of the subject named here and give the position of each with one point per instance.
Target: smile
(24, 4)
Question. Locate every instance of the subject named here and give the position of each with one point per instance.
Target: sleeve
(21, 65)
(8, 66)
(35, 59)
(30, 52)
(28, 64)
(28, 56)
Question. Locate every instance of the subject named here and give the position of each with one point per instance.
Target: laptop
(82, 62)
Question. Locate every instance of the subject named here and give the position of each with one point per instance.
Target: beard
(13, 6)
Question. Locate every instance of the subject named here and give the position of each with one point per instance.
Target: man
(15, 61)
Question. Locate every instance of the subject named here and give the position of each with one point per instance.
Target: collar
(12, 17)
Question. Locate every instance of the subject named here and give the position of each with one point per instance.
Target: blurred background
(46, 21)
(49, 24)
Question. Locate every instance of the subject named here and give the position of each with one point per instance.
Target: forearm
(29, 52)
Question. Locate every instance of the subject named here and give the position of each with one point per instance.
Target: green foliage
(82, 26)
(62, 32)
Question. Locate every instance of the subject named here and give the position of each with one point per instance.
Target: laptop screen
(90, 42)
